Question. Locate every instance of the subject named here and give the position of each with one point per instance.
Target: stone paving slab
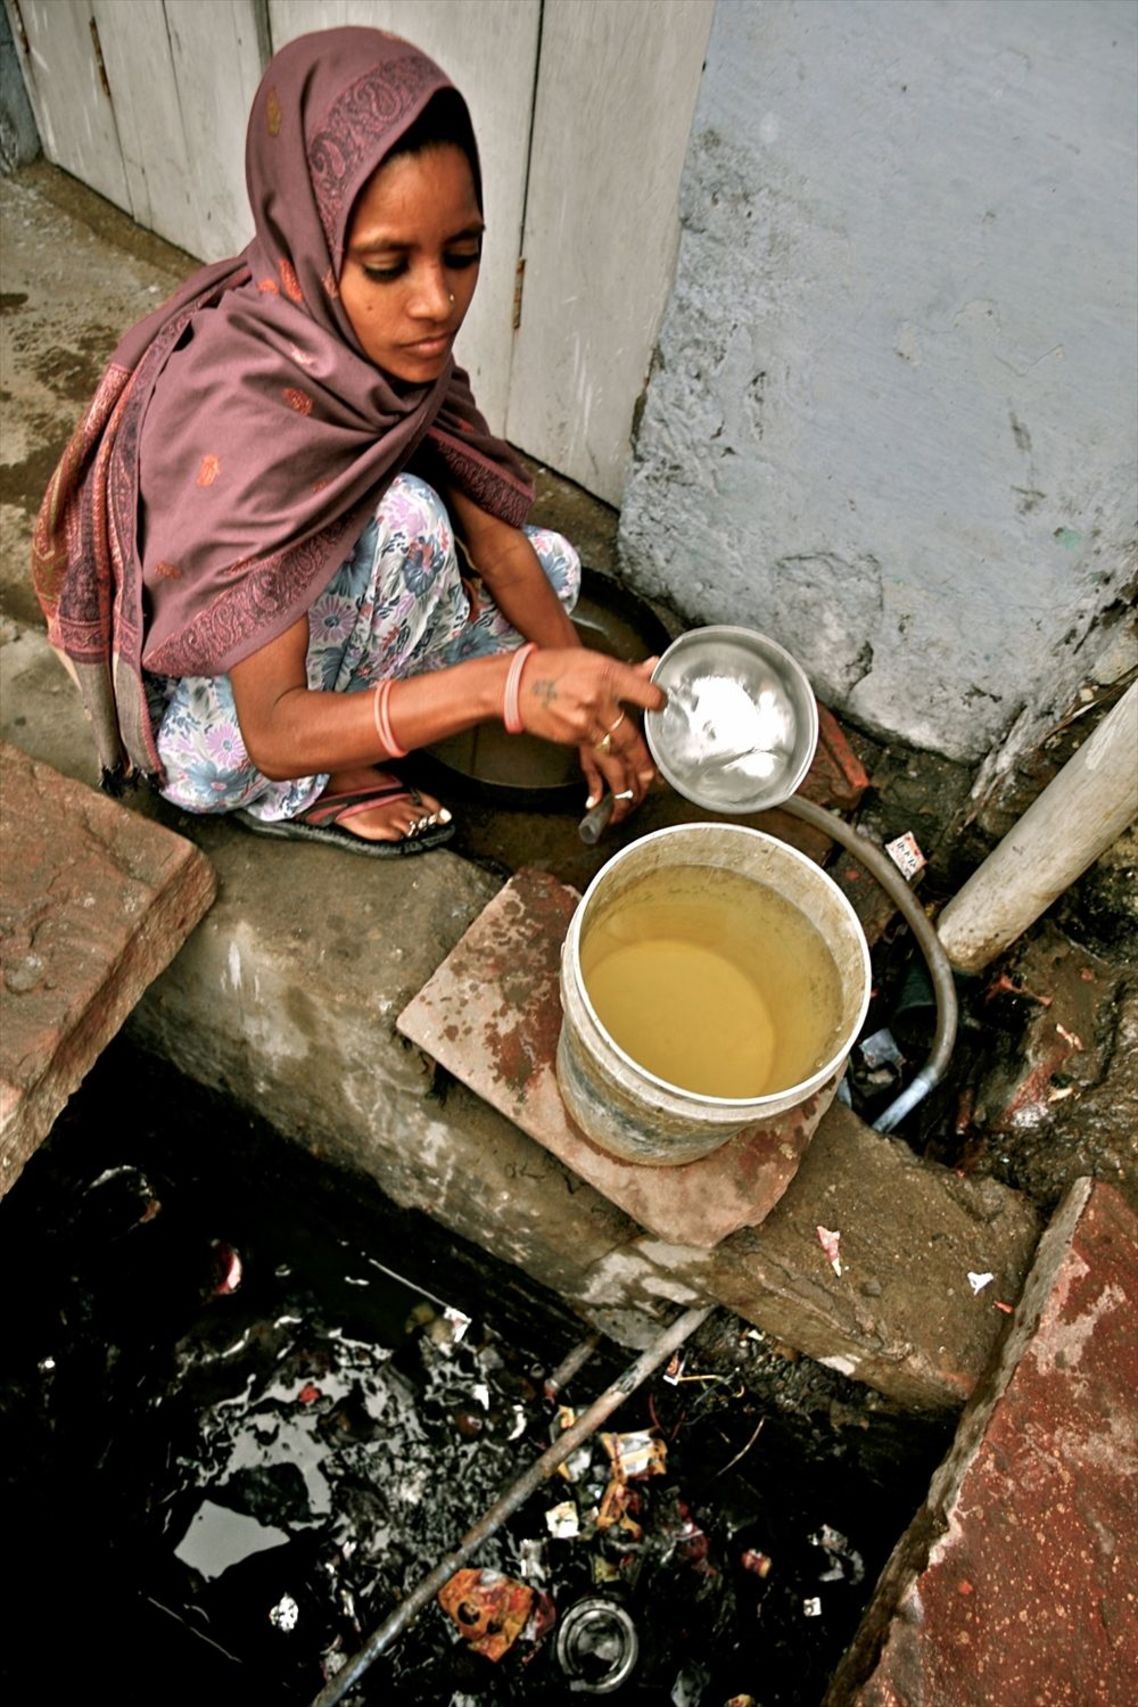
(1016, 1583)
(95, 902)
(491, 1015)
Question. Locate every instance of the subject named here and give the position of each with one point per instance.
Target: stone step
(94, 903)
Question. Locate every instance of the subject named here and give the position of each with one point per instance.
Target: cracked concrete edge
(901, 1315)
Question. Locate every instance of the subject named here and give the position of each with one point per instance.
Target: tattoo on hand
(544, 690)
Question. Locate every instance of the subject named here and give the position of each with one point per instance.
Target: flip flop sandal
(321, 823)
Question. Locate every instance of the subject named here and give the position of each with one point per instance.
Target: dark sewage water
(248, 1403)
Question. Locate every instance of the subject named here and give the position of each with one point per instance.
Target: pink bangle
(511, 715)
(382, 717)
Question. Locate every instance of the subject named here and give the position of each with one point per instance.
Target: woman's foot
(408, 815)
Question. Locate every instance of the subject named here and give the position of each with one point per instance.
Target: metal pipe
(571, 1365)
(880, 866)
(515, 1495)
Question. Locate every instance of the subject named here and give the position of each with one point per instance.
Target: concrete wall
(892, 420)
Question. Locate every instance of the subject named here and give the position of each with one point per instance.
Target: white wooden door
(616, 92)
(70, 99)
(582, 110)
(146, 102)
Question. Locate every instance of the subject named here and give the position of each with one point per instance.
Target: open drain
(252, 1461)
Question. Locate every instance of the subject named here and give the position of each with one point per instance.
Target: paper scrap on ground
(829, 1241)
(906, 855)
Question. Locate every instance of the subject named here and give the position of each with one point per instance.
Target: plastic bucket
(627, 1110)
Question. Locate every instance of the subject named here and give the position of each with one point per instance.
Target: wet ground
(244, 1413)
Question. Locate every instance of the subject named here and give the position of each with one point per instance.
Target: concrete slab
(1016, 1582)
(491, 1015)
(902, 1314)
(94, 904)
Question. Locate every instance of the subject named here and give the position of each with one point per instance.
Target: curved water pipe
(881, 867)
(515, 1495)
(1081, 812)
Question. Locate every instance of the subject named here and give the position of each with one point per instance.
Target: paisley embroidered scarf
(239, 436)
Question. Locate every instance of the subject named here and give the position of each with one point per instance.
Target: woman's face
(411, 261)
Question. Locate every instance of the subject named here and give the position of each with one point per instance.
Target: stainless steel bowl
(741, 724)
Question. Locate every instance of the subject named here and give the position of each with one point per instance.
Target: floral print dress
(398, 606)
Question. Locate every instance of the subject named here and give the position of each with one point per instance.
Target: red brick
(1016, 1584)
(837, 777)
(96, 901)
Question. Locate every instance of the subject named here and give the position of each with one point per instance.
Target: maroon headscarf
(239, 436)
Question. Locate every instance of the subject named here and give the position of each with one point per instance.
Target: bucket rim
(797, 1092)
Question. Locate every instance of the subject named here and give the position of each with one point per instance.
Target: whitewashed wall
(894, 419)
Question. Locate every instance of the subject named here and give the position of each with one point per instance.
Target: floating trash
(490, 1610)
(281, 1464)
(844, 1563)
(563, 1521)
(881, 1050)
(285, 1615)
(906, 855)
(635, 1455)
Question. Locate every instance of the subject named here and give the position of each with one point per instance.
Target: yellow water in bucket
(706, 955)
(713, 983)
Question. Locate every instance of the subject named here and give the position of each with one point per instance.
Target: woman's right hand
(578, 698)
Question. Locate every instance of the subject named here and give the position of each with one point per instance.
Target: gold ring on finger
(604, 745)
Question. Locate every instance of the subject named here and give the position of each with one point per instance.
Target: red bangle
(511, 714)
(382, 717)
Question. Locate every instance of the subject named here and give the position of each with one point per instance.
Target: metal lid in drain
(597, 1645)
